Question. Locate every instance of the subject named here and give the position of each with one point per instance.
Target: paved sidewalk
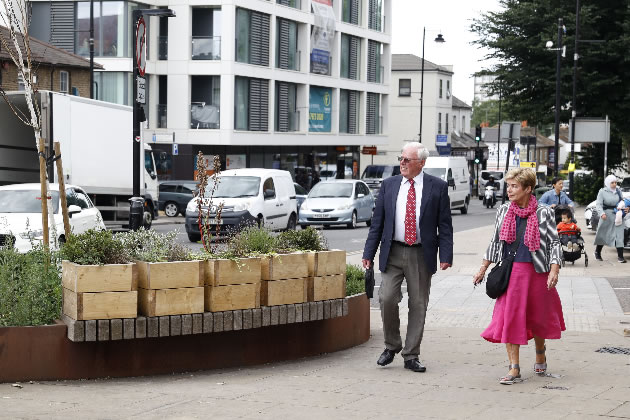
(460, 382)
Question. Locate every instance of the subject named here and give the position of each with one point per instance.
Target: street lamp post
(136, 209)
(439, 39)
(574, 100)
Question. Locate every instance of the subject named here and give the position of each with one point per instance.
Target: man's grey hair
(422, 151)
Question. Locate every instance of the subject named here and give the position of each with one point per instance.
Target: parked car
(174, 196)
(249, 196)
(453, 170)
(373, 175)
(338, 202)
(21, 214)
(300, 195)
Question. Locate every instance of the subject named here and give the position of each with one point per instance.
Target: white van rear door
(271, 206)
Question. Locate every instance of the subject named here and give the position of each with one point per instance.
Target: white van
(249, 196)
(453, 170)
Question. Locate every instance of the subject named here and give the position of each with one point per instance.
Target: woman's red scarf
(532, 233)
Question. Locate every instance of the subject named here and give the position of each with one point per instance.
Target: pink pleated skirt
(526, 309)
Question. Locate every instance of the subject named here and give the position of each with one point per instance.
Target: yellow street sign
(571, 167)
(528, 165)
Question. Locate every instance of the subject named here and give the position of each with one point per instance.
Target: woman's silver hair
(422, 151)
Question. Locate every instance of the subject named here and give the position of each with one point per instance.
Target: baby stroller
(571, 240)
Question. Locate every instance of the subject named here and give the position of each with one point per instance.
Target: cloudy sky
(452, 18)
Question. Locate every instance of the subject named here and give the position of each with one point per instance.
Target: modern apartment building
(481, 88)
(291, 84)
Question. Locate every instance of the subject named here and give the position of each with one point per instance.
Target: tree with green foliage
(516, 37)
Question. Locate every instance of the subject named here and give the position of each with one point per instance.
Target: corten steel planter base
(46, 353)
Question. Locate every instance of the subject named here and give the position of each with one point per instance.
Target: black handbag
(499, 276)
(369, 282)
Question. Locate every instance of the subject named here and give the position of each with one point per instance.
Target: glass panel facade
(206, 33)
(113, 31)
(241, 103)
(205, 102)
(114, 86)
(243, 17)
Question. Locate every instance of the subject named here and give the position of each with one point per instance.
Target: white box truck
(96, 150)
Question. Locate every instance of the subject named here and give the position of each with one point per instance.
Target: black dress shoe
(415, 365)
(386, 357)
(598, 256)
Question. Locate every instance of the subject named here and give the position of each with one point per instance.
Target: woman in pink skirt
(530, 308)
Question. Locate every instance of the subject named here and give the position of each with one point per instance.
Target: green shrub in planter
(95, 247)
(152, 246)
(355, 280)
(249, 242)
(308, 239)
(30, 287)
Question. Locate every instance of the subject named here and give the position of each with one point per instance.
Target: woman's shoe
(598, 256)
(541, 368)
(511, 379)
(621, 260)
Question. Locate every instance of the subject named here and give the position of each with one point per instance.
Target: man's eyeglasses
(405, 160)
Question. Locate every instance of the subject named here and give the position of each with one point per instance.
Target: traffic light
(478, 133)
(478, 155)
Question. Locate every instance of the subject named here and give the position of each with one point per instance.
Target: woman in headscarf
(531, 307)
(607, 233)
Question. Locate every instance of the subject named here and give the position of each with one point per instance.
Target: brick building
(55, 69)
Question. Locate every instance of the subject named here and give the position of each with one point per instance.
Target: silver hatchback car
(338, 202)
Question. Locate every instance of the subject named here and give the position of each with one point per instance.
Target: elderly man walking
(411, 221)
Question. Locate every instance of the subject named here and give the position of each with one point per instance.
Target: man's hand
(444, 266)
(366, 263)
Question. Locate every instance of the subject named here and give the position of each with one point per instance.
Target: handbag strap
(514, 245)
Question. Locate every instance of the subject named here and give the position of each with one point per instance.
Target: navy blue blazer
(436, 227)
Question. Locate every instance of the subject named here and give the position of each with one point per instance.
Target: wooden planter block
(104, 305)
(186, 300)
(97, 278)
(169, 275)
(283, 292)
(326, 287)
(232, 297)
(225, 272)
(285, 266)
(326, 263)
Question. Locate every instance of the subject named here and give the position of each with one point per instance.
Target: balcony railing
(161, 116)
(204, 116)
(206, 48)
(163, 48)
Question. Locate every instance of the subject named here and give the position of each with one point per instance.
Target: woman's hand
(603, 216)
(552, 279)
(478, 277)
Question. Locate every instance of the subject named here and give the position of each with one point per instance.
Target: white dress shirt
(401, 207)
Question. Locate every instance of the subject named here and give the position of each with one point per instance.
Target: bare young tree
(15, 40)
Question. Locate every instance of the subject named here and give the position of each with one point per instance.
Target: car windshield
(331, 190)
(328, 174)
(439, 172)
(234, 187)
(496, 175)
(380, 171)
(25, 201)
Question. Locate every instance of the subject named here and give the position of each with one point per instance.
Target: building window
(63, 81)
(206, 33)
(287, 115)
(440, 120)
(112, 31)
(373, 115)
(252, 37)
(287, 54)
(375, 70)
(291, 3)
(205, 101)
(448, 89)
(375, 15)
(441, 88)
(464, 124)
(454, 123)
(350, 56)
(349, 101)
(404, 87)
(115, 87)
(162, 101)
(446, 124)
(251, 104)
(350, 11)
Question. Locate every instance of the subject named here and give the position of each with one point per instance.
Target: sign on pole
(525, 164)
(175, 149)
(141, 45)
(141, 97)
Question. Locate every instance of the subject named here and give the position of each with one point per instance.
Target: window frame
(441, 82)
(400, 87)
(439, 123)
(63, 73)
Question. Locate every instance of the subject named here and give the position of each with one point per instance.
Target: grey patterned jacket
(550, 251)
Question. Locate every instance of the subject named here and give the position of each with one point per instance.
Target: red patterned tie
(410, 215)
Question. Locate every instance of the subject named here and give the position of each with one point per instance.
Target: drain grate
(614, 350)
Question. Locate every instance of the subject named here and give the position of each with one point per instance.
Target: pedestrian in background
(607, 232)
(556, 196)
(530, 308)
(412, 219)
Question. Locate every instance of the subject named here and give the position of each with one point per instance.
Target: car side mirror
(73, 209)
(451, 182)
(269, 194)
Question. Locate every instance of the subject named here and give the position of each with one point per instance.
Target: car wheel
(260, 222)
(147, 219)
(292, 222)
(304, 226)
(464, 209)
(171, 209)
(353, 222)
(194, 237)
